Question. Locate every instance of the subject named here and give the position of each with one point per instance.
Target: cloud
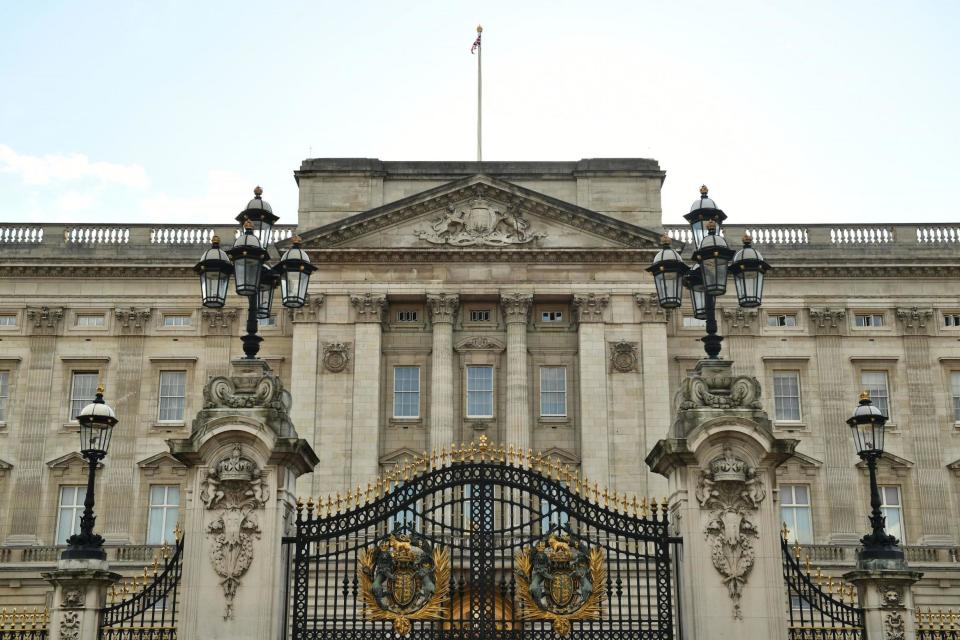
(223, 200)
(56, 168)
(76, 201)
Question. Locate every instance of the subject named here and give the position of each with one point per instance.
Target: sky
(172, 111)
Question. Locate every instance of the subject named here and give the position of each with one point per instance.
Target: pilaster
(516, 313)
(443, 310)
(595, 429)
(364, 435)
(887, 600)
(79, 592)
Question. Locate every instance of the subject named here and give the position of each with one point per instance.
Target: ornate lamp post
(254, 279)
(867, 425)
(97, 420)
(708, 279)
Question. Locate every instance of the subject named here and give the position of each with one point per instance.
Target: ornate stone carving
(731, 490)
(891, 595)
(914, 318)
(479, 223)
(894, 627)
(516, 307)
(308, 312)
(718, 389)
(247, 391)
(740, 318)
(651, 309)
(45, 317)
(479, 343)
(369, 306)
(219, 318)
(623, 356)
(336, 356)
(590, 307)
(827, 318)
(73, 599)
(132, 318)
(70, 625)
(443, 307)
(234, 489)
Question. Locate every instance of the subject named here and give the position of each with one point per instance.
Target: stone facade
(533, 270)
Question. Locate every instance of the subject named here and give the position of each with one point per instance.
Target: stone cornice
(442, 307)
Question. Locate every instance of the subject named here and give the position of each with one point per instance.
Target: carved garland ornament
(336, 356)
(404, 578)
(70, 625)
(894, 627)
(561, 580)
(731, 490)
(481, 224)
(623, 356)
(234, 489)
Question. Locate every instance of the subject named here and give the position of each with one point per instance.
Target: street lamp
(97, 420)
(254, 279)
(715, 260)
(867, 424)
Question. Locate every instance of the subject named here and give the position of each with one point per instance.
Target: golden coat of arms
(403, 578)
(561, 580)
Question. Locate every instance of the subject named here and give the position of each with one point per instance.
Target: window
(869, 319)
(795, 512)
(407, 518)
(90, 320)
(553, 391)
(551, 316)
(267, 322)
(690, 321)
(83, 389)
(786, 396)
(782, 320)
(8, 320)
(480, 315)
(4, 394)
(479, 392)
(892, 509)
(69, 512)
(551, 516)
(406, 392)
(466, 507)
(407, 315)
(172, 396)
(875, 383)
(954, 391)
(177, 320)
(164, 510)
(949, 319)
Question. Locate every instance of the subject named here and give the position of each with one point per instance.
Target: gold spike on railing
(664, 505)
(653, 507)
(310, 506)
(643, 507)
(178, 533)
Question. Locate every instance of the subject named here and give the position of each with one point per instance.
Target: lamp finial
(746, 239)
(704, 191)
(100, 388)
(296, 241)
(215, 240)
(479, 29)
(248, 225)
(258, 191)
(711, 226)
(665, 241)
(864, 396)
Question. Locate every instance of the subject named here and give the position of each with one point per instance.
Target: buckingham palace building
(454, 301)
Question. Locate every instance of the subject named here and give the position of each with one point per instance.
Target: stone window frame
(809, 506)
(539, 308)
(887, 327)
(393, 392)
(480, 358)
(159, 364)
(892, 470)
(944, 313)
(800, 364)
(899, 507)
(949, 367)
(164, 508)
(395, 306)
(540, 392)
(888, 364)
(193, 327)
(79, 364)
(17, 326)
(799, 327)
(494, 323)
(67, 470)
(566, 358)
(74, 316)
(803, 469)
(493, 392)
(404, 357)
(10, 365)
(159, 469)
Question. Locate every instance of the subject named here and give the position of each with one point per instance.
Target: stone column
(443, 309)
(838, 473)
(594, 428)
(365, 432)
(305, 378)
(79, 592)
(516, 312)
(244, 457)
(720, 462)
(655, 386)
(886, 599)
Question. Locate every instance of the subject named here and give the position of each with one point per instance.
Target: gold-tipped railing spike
(369, 493)
(653, 507)
(664, 505)
(784, 531)
(643, 507)
(634, 507)
(178, 533)
(329, 506)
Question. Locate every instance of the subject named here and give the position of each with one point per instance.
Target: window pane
(553, 391)
(172, 395)
(955, 391)
(70, 510)
(82, 392)
(892, 510)
(163, 515)
(406, 392)
(875, 383)
(786, 395)
(4, 394)
(479, 391)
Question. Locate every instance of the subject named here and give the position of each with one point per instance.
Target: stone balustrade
(846, 555)
(134, 234)
(49, 554)
(847, 235)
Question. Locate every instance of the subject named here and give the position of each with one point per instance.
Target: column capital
(590, 306)
(650, 308)
(133, 320)
(369, 306)
(915, 320)
(309, 312)
(516, 307)
(443, 307)
(827, 321)
(46, 320)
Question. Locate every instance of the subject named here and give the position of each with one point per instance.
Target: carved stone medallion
(731, 490)
(623, 356)
(233, 489)
(480, 223)
(73, 599)
(561, 580)
(403, 578)
(336, 356)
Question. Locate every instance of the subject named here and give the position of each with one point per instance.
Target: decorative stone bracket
(715, 387)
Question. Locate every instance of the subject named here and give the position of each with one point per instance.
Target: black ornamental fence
(481, 542)
(145, 608)
(24, 624)
(820, 607)
(937, 624)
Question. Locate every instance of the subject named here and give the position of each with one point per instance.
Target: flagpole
(479, 96)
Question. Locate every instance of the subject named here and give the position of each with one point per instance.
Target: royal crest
(479, 224)
(561, 580)
(403, 578)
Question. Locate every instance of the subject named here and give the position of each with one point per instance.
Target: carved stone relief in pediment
(479, 223)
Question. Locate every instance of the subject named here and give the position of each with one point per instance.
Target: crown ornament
(728, 468)
(235, 467)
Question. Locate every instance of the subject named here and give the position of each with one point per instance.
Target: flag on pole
(476, 43)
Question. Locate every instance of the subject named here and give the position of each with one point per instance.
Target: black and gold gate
(481, 542)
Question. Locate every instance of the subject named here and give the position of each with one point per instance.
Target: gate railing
(819, 607)
(938, 625)
(24, 625)
(146, 608)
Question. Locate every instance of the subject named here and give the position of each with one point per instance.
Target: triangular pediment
(480, 213)
(161, 459)
(72, 461)
(890, 463)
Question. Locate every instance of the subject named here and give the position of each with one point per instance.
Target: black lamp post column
(711, 341)
(251, 341)
(87, 544)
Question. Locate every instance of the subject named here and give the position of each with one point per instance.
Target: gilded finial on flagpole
(479, 29)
